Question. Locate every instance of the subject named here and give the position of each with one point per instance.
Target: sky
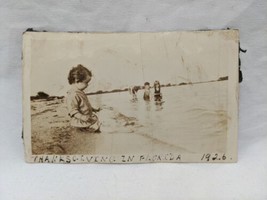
(120, 60)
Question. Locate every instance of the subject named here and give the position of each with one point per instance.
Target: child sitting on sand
(80, 110)
(147, 91)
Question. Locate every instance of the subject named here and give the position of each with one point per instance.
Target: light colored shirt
(79, 108)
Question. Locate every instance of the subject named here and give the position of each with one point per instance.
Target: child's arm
(86, 118)
(96, 109)
(73, 103)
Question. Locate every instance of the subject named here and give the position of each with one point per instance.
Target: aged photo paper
(130, 97)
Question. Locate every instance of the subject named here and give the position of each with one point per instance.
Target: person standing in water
(133, 91)
(157, 93)
(147, 91)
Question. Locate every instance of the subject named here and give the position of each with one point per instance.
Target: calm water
(192, 118)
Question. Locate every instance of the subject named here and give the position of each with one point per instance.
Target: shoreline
(48, 98)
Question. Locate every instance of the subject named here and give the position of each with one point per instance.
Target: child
(80, 110)
(134, 91)
(157, 93)
(147, 91)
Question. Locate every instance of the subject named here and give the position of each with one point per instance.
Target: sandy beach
(193, 118)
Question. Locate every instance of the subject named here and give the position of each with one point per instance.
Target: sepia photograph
(130, 97)
(133, 100)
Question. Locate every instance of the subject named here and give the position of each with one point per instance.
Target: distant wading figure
(147, 91)
(157, 93)
(133, 91)
(80, 110)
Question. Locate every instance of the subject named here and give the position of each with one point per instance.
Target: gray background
(245, 180)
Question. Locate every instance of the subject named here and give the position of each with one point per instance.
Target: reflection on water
(192, 117)
(148, 106)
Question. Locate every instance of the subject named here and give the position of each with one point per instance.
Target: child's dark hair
(147, 83)
(78, 74)
(157, 90)
(156, 83)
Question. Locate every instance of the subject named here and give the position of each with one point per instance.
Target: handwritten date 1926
(213, 157)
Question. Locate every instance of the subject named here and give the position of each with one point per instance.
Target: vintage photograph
(130, 97)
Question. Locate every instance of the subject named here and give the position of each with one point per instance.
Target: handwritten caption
(146, 158)
(106, 159)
